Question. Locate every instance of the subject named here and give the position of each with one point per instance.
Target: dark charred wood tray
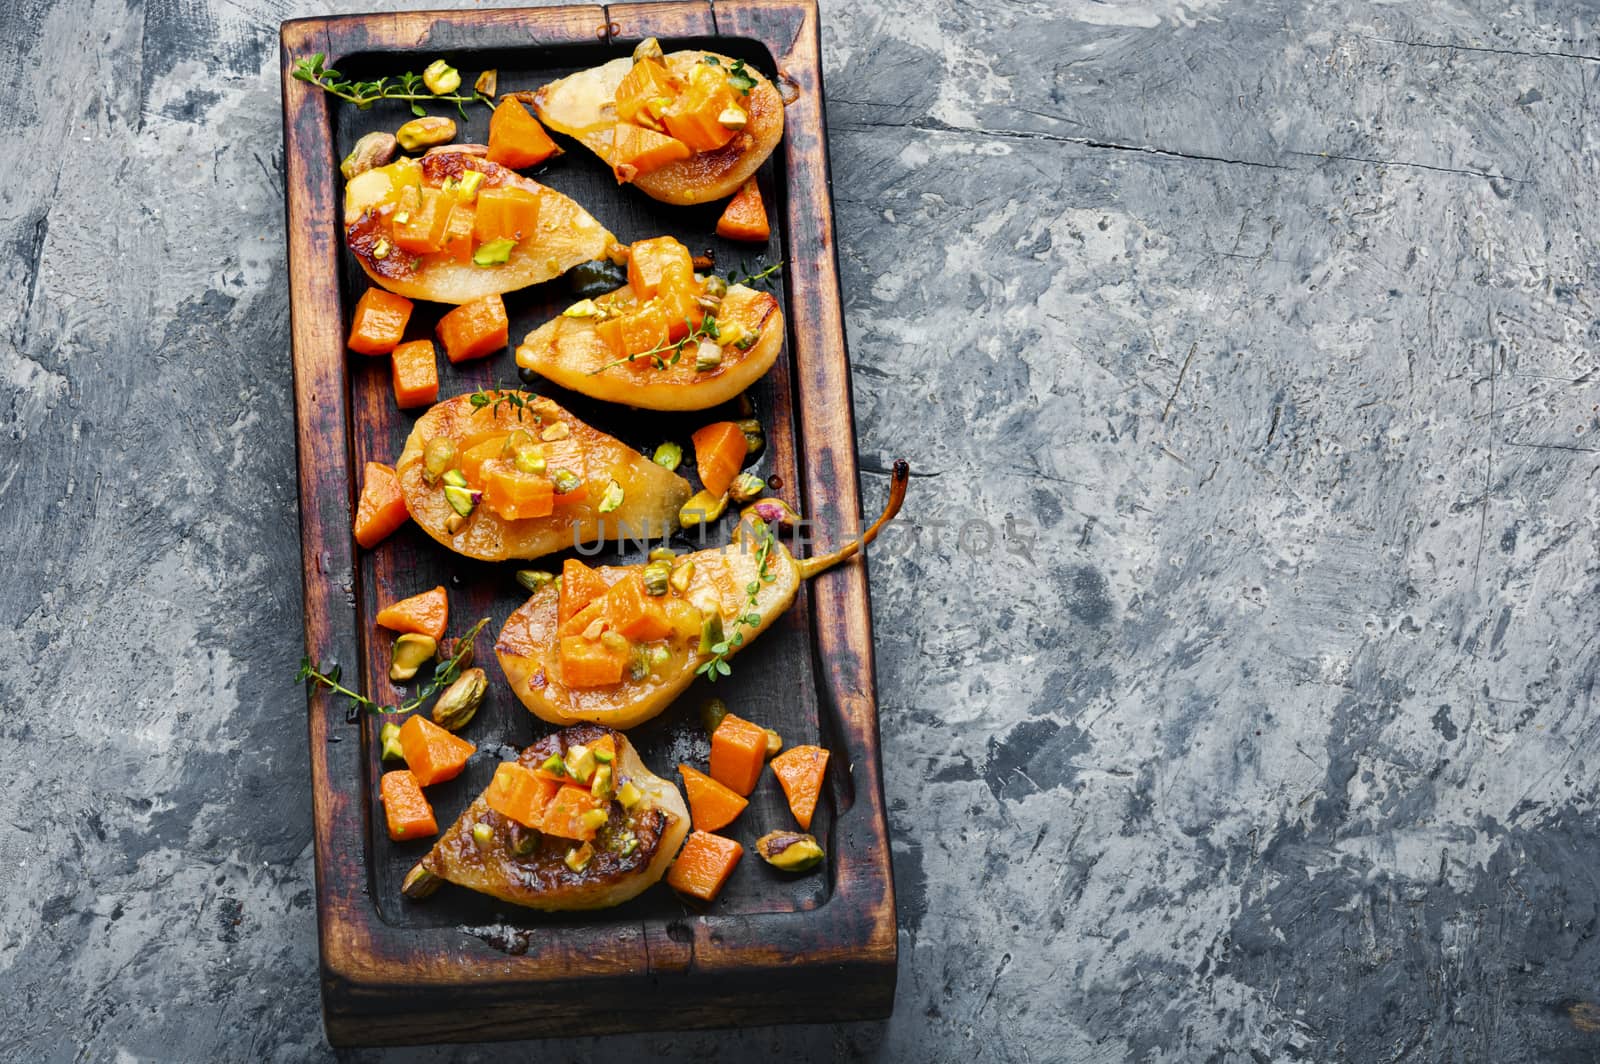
(460, 966)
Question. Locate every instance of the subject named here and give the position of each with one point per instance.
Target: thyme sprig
(751, 280)
(408, 87)
(658, 354)
(498, 397)
(444, 674)
(717, 665)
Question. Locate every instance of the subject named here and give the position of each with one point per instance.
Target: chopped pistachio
(461, 500)
(441, 77)
(772, 511)
(454, 477)
(371, 151)
(482, 835)
(649, 48)
(494, 253)
(611, 498)
(710, 632)
(662, 554)
(554, 765)
(419, 883)
(774, 742)
(668, 456)
(657, 657)
(707, 355)
(534, 579)
(716, 288)
(746, 486)
(579, 762)
(566, 481)
(487, 82)
(629, 794)
(656, 577)
(604, 782)
(731, 332)
(558, 431)
(411, 651)
(702, 509)
(381, 248)
(638, 664)
(471, 181)
(454, 523)
(389, 734)
(529, 459)
(679, 580)
(629, 844)
(578, 857)
(583, 308)
(523, 840)
(614, 640)
(437, 458)
(733, 117)
(594, 819)
(712, 713)
(754, 438)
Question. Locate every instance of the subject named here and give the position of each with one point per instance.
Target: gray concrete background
(1271, 324)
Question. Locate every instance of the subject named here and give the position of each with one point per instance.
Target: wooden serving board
(460, 966)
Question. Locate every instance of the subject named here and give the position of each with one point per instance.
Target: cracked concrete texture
(1266, 326)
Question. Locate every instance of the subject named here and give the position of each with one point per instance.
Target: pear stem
(809, 567)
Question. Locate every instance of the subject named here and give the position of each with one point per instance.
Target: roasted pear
(684, 128)
(601, 648)
(453, 227)
(669, 339)
(506, 474)
(639, 821)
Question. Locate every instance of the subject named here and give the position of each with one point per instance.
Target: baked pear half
(603, 828)
(616, 645)
(452, 227)
(506, 474)
(669, 339)
(689, 127)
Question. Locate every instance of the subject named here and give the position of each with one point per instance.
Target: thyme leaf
(444, 674)
(408, 87)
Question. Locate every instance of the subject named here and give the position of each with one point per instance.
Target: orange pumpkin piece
(433, 754)
(516, 495)
(404, 807)
(704, 865)
(474, 329)
(800, 770)
(575, 625)
(506, 213)
(416, 375)
(738, 750)
(635, 151)
(719, 453)
(633, 613)
(516, 139)
(426, 614)
(644, 90)
(694, 117)
(457, 243)
(564, 816)
(657, 263)
(590, 663)
(745, 217)
(580, 585)
(420, 220)
(379, 322)
(520, 794)
(382, 507)
(472, 459)
(711, 805)
(643, 329)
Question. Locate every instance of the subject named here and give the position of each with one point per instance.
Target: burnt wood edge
(356, 953)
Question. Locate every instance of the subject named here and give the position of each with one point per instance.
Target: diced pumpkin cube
(580, 585)
(711, 805)
(800, 770)
(420, 220)
(506, 214)
(578, 622)
(635, 151)
(564, 816)
(432, 753)
(590, 662)
(426, 614)
(694, 117)
(633, 613)
(473, 456)
(405, 809)
(382, 507)
(520, 794)
(704, 865)
(745, 217)
(656, 263)
(738, 751)
(516, 139)
(416, 375)
(719, 453)
(474, 329)
(457, 243)
(379, 322)
(646, 82)
(515, 495)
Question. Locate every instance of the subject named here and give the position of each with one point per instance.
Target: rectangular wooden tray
(462, 967)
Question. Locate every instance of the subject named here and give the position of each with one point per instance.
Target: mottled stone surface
(1266, 731)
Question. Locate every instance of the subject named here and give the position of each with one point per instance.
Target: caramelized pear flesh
(570, 352)
(582, 105)
(529, 647)
(566, 234)
(651, 495)
(525, 867)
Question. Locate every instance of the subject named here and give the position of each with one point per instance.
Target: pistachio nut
(790, 851)
(523, 840)
(772, 511)
(534, 579)
(460, 701)
(754, 438)
(371, 151)
(487, 82)
(389, 735)
(745, 487)
(702, 509)
(411, 651)
(774, 742)
(712, 713)
(441, 77)
(419, 883)
(422, 133)
(649, 48)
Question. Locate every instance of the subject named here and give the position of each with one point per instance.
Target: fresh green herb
(668, 352)
(739, 77)
(408, 87)
(444, 674)
(751, 280)
(498, 397)
(717, 665)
